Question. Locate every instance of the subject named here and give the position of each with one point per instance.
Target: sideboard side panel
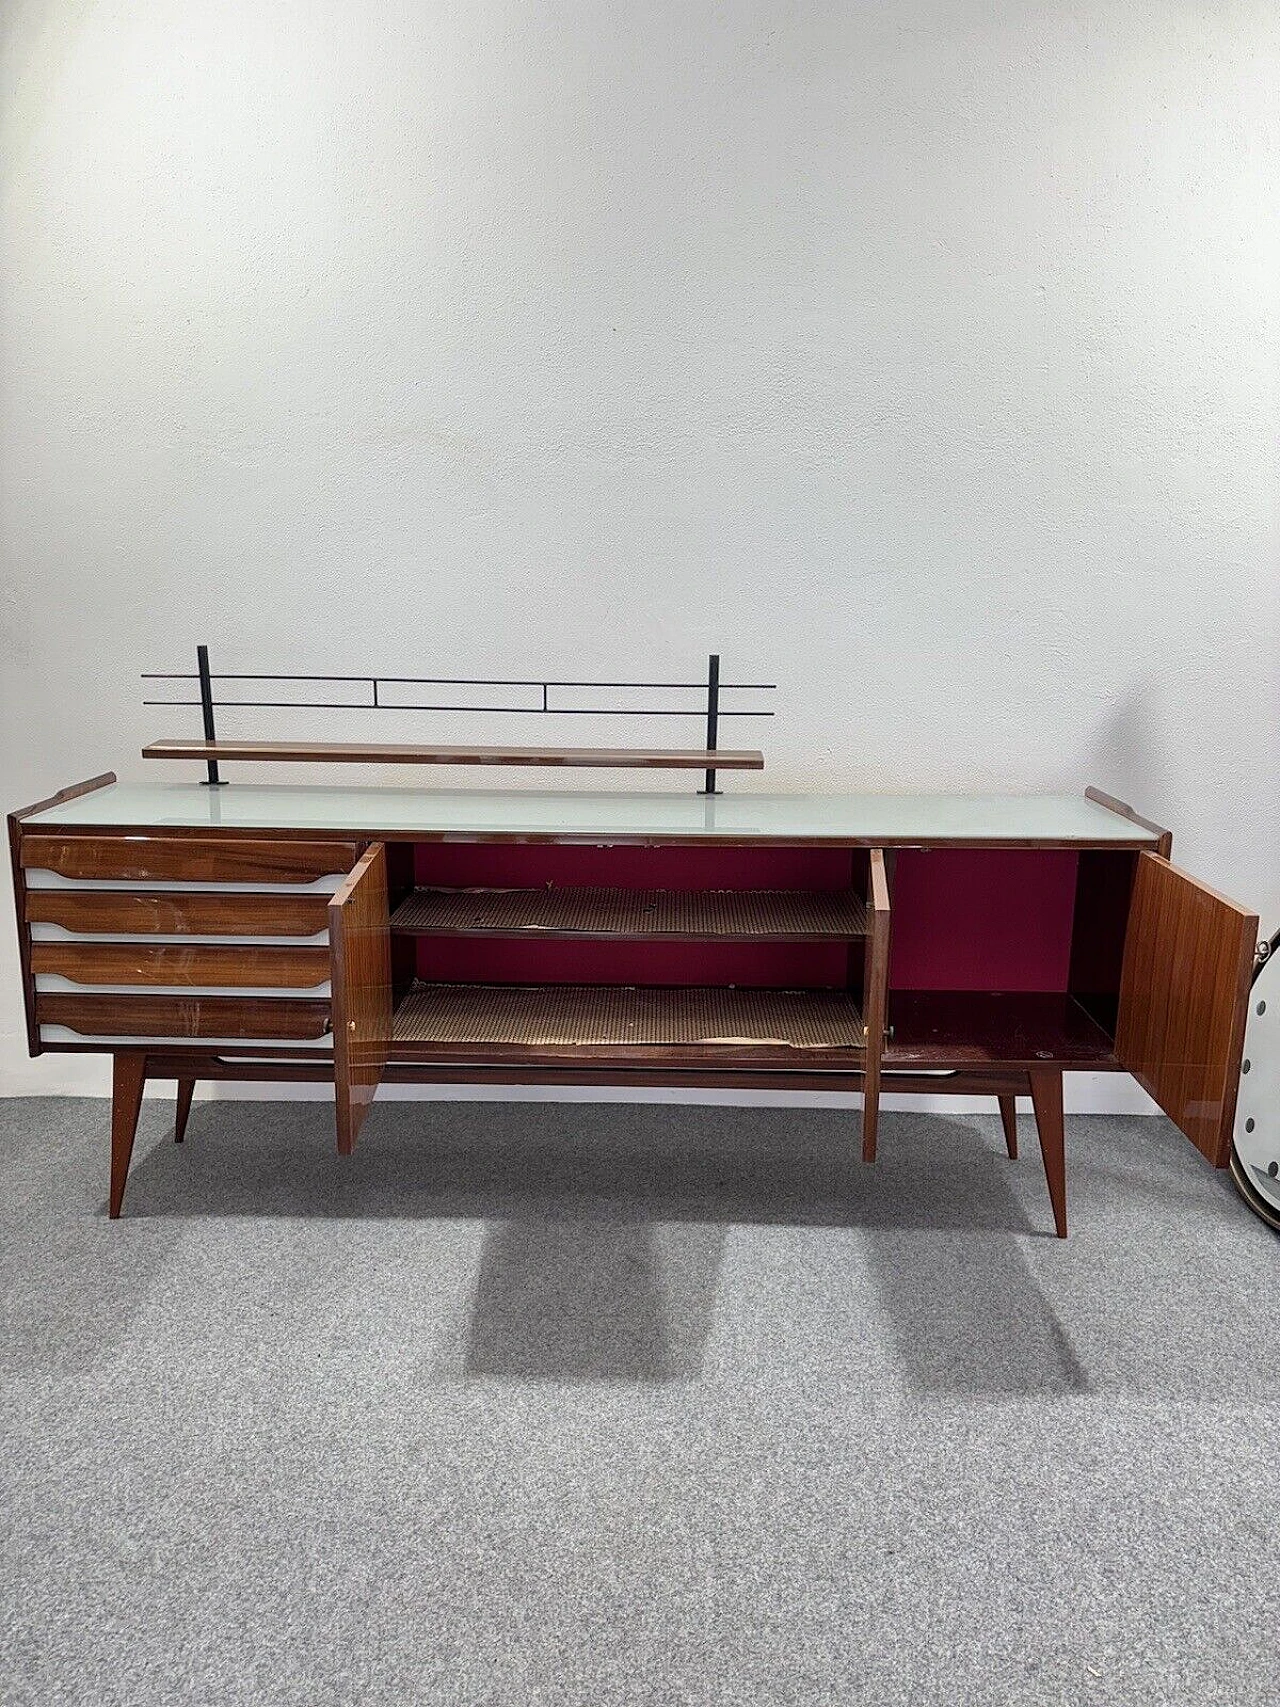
(24, 936)
(34, 1046)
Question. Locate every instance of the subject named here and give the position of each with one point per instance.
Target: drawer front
(200, 964)
(160, 859)
(121, 912)
(225, 943)
(259, 1018)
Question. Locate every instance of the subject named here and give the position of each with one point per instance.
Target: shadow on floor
(605, 1224)
(969, 1316)
(589, 1300)
(494, 1161)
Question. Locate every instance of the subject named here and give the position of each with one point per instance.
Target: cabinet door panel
(1184, 991)
(360, 949)
(875, 996)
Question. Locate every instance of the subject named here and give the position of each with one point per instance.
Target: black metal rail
(712, 687)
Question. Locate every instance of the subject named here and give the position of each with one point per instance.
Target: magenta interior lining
(997, 919)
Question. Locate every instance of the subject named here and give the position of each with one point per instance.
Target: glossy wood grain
(946, 1029)
(1173, 1002)
(128, 1076)
(104, 780)
(1164, 846)
(1183, 1000)
(875, 997)
(200, 964)
(400, 753)
(360, 945)
(72, 792)
(1046, 1099)
(177, 859)
(217, 912)
(25, 974)
(1009, 1121)
(185, 1016)
(182, 1109)
(175, 1061)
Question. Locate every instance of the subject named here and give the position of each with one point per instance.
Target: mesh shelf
(779, 915)
(592, 1015)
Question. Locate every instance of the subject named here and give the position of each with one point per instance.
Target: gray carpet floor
(588, 1404)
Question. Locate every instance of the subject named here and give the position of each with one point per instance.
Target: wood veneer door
(875, 996)
(1184, 989)
(360, 952)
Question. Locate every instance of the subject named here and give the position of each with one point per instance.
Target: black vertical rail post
(713, 713)
(206, 710)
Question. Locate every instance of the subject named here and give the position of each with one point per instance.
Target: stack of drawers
(172, 938)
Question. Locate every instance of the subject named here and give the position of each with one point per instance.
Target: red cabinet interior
(529, 865)
(984, 919)
(780, 965)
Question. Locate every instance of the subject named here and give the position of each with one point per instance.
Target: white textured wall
(922, 356)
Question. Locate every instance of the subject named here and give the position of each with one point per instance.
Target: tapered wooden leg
(1009, 1120)
(128, 1077)
(870, 1111)
(1046, 1099)
(186, 1089)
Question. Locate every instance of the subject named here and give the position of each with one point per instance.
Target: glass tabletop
(524, 814)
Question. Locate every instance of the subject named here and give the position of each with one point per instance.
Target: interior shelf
(541, 1018)
(774, 915)
(967, 1028)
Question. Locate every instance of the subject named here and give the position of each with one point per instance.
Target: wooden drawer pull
(200, 964)
(185, 1016)
(182, 858)
(116, 912)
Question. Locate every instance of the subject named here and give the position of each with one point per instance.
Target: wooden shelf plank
(497, 1022)
(744, 915)
(397, 753)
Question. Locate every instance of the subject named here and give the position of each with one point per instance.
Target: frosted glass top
(880, 820)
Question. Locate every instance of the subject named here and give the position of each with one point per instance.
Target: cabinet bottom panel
(960, 1028)
(709, 1023)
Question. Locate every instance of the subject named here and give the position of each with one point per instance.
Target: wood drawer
(120, 912)
(260, 1017)
(200, 964)
(178, 859)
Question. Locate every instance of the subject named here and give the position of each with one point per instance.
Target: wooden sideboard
(973, 945)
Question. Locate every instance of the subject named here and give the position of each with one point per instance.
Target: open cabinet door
(875, 996)
(1184, 990)
(360, 956)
